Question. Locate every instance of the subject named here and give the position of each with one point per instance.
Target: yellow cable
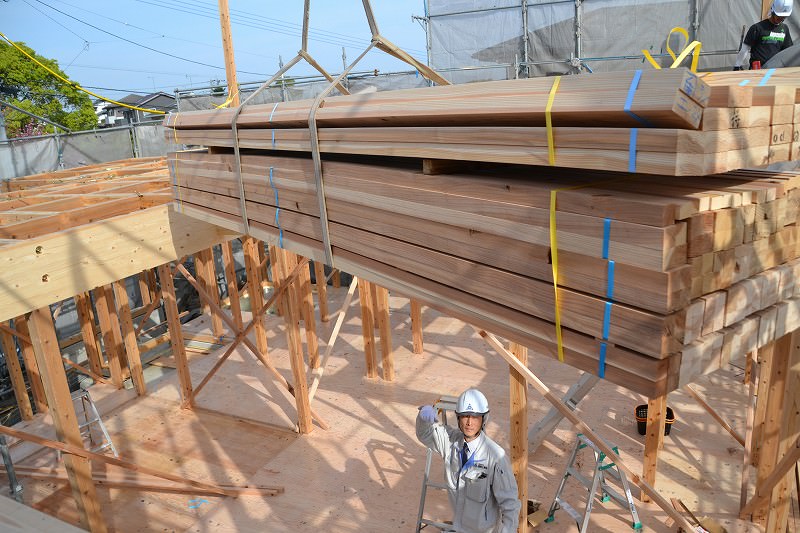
(75, 85)
(693, 48)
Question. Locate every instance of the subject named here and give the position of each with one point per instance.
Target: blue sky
(122, 46)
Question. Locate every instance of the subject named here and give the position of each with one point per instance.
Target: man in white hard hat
(766, 38)
(480, 482)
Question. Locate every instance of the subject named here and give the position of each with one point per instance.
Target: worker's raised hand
(427, 413)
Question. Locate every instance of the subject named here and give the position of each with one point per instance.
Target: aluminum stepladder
(444, 404)
(89, 420)
(602, 468)
(16, 486)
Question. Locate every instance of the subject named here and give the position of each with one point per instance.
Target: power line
(142, 45)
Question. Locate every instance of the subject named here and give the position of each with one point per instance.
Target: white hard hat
(782, 8)
(472, 402)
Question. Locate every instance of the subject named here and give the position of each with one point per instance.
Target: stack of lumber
(663, 122)
(660, 279)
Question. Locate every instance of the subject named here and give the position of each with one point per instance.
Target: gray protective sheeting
(487, 36)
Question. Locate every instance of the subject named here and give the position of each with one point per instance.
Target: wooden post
(103, 305)
(656, 420)
(274, 251)
(129, 337)
(176, 335)
(368, 327)
(79, 470)
(306, 298)
(83, 305)
(15, 373)
(250, 248)
(416, 326)
(233, 285)
(322, 290)
(31, 367)
(336, 278)
(291, 315)
(204, 268)
(518, 407)
(747, 460)
(385, 328)
(766, 6)
(227, 47)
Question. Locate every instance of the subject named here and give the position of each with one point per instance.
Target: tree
(32, 88)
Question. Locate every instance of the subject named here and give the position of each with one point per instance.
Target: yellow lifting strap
(693, 48)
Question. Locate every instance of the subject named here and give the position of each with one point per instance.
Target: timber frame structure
(115, 221)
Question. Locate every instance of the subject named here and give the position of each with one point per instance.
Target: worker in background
(480, 482)
(766, 38)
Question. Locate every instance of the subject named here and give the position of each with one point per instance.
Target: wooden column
(518, 411)
(176, 335)
(385, 328)
(206, 275)
(79, 470)
(291, 314)
(322, 290)
(416, 325)
(227, 47)
(654, 440)
(336, 278)
(233, 285)
(273, 254)
(83, 305)
(306, 298)
(250, 248)
(790, 432)
(129, 337)
(766, 7)
(31, 366)
(104, 303)
(147, 287)
(368, 327)
(771, 512)
(15, 373)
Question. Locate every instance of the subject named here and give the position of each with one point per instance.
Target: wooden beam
(537, 384)
(31, 366)
(322, 290)
(104, 302)
(518, 434)
(79, 452)
(55, 267)
(291, 315)
(656, 419)
(176, 335)
(129, 337)
(250, 250)
(715, 415)
(206, 274)
(48, 356)
(787, 463)
(385, 328)
(306, 300)
(15, 373)
(83, 305)
(233, 284)
(416, 326)
(751, 374)
(332, 339)
(368, 327)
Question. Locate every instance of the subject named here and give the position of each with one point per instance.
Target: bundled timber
(447, 196)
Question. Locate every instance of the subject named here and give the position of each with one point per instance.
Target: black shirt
(767, 39)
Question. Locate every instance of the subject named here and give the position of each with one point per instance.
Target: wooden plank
(43, 270)
(15, 374)
(368, 327)
(518, 432)
(306, 308)
(204, 267)
(129, 337)
(31, 366)
(416, 326)
(83, 306)
(176, 335)
(48, 356)
(385, 327)
(656, 419)
(232, 283)
(322, 290)
(104, 302)
(251, 262)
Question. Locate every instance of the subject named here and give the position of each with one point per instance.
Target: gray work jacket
(483, 495)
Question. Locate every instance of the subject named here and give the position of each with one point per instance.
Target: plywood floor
(364, 474)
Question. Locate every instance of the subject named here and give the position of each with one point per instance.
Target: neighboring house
(109, 114)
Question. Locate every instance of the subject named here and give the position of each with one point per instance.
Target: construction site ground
(364, 474)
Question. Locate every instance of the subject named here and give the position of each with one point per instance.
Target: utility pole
(227, 46)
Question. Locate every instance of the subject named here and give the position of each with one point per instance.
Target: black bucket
(641, 419)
